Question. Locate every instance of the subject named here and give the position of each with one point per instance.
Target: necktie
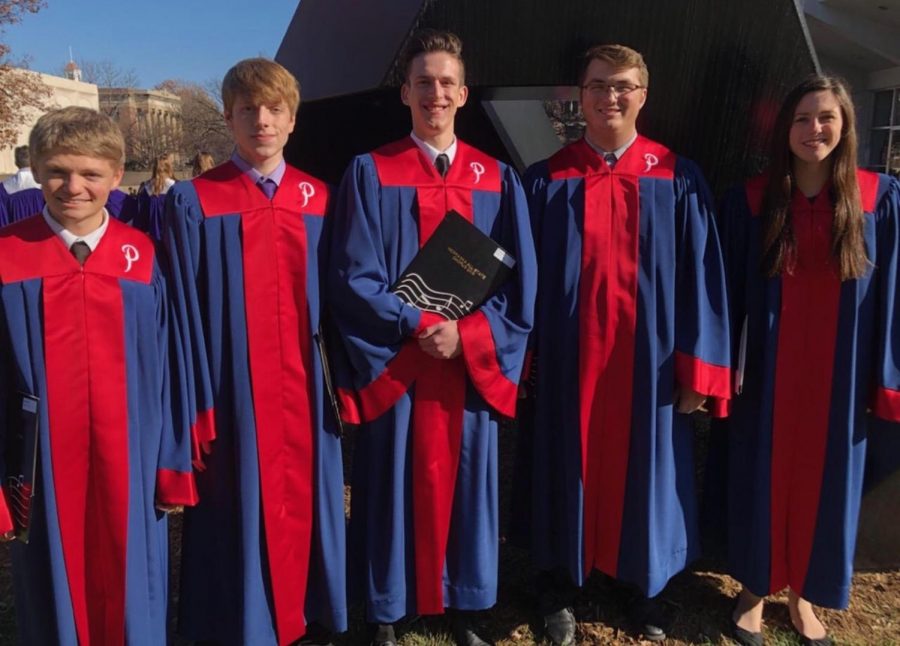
(610, 160)
(442, 163)
(80, 250)
(267, 186)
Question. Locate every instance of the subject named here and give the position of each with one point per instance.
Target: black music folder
(455, 271)
(21, 462)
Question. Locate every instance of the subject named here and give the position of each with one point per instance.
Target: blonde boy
(84, 361)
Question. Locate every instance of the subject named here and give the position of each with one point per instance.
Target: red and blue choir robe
(820, 354)
(631, 304)
(424, 517)
(264, 553)
(93, 344)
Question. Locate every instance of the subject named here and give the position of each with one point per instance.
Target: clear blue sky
(194, 40)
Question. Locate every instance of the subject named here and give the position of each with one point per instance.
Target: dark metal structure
(718, 71)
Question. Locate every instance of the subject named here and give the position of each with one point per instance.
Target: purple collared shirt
(276, 175)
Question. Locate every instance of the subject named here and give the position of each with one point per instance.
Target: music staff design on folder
(455, 271)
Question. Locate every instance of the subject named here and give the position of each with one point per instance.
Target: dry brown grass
(699, 603)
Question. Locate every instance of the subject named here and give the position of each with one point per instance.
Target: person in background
(201, 163)
(20, 194)
(145, 211)
(162, 175)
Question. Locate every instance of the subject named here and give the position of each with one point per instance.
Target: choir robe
(631, 304)
(116, 203)
(264, 553)
(144, 212)
(92, 343)
(23, 204)
(4, 197)
(819, 353)
(424, 507)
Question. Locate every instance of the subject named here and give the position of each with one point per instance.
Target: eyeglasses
(599, 88)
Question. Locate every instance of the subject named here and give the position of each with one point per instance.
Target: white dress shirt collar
(68, 238)
(431, 152)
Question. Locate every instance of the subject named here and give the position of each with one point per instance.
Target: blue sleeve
(886, 399)
(368, 314)
(701, 305)
(535, 183)
(181, 251)
(494, 338)
(175, 483)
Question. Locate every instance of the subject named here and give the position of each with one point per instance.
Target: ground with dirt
(698, 602)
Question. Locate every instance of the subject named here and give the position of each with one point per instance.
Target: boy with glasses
(630, 337)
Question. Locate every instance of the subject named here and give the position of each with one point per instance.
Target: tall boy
(263, 555)
(84, 342)
(630, 336)
(424, 518)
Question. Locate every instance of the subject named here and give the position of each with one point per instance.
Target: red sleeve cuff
(176, 488)
(426, 320)
(6, 523)
(202, 433)
(886, 404)
(480, 356)
(705, 378)
(719, 407)
(348, 402)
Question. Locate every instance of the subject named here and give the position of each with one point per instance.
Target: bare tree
(203, 127)
(104, 73)
(21, 91)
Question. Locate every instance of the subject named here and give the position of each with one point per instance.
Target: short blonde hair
(77, 130)
(619, 57)
(263, 82)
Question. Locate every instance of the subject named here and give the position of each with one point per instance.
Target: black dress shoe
(559, 627)
(382, 635)
(556, 595)
(464, 630)
(647, 617)
(821, 641)
(744, 637)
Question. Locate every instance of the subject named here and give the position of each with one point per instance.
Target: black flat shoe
(647, 617)
(744, 637)
(559, 627)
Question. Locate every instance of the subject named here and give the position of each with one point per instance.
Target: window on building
(884, 138)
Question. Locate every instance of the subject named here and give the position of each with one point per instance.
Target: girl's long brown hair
(847, 241)
(163, 169)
